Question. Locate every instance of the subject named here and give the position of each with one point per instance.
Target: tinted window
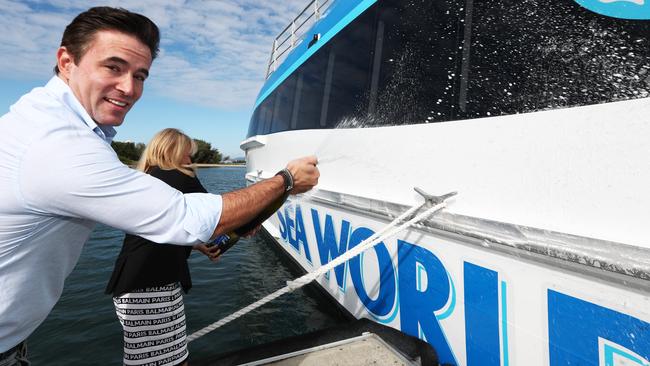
(421, 61)
(252, 126)
(417, 72)
(533, 55)
(312, 75)
(283, 104)
(348, 73)
(265, 116)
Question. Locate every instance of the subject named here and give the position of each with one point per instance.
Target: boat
(537, 112)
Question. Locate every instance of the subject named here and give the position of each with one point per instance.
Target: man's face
(110, 76)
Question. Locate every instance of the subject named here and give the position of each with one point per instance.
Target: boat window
(266, 115)
(532, 55)
(313, 75)
(415, 78)
(283, 105)
(351, 60)
(423, 61)
(296, 101)
(329, 88)
(252, 126)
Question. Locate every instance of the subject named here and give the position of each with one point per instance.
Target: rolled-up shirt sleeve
(74, 174)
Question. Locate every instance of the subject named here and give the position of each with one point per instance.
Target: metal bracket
(434, 200)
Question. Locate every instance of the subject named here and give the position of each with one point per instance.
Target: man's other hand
(212, 252)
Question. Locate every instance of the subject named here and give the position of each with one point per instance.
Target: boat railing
(292, 35)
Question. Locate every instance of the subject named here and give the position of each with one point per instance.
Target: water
(83, 329)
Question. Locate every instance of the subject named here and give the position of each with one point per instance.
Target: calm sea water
(83, 329)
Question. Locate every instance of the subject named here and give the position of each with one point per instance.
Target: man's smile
(116, 102)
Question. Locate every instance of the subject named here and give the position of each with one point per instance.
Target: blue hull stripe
(347, 19)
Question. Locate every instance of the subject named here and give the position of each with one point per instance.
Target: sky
(211, 66)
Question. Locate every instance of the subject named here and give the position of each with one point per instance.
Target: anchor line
(388, 231)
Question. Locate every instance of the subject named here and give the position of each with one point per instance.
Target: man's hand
(305, 174)
(240, 207)
(212, 252)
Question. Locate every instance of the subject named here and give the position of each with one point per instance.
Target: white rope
(373, 240)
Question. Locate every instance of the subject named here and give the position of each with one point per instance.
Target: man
(59, 175)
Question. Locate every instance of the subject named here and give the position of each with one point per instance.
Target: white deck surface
(367, 349)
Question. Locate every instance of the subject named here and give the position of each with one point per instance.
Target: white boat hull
(541, 259)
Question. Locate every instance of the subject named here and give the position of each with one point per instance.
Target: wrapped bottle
(226, 241)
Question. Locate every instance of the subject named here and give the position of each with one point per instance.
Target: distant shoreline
(201, 166)
(218, 165)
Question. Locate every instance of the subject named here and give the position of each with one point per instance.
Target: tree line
(129, 152)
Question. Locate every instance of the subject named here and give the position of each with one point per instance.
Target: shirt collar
(65, 94)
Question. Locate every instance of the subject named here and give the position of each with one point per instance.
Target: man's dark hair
(81, 31)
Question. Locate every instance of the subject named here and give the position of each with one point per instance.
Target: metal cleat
(434, 200)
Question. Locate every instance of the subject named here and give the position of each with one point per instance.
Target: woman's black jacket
(143, 263)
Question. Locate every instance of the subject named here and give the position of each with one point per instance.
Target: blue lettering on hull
(292, 230)
(481, 316)
(416, 286)
(329, 247)
(582, 333)
(419, 288)
(385, 301)
(419, 306)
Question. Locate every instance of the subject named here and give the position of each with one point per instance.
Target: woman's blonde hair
(166, 150)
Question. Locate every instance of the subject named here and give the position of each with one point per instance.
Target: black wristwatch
(288, 179)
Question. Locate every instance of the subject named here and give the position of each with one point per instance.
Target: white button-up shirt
(58, 177)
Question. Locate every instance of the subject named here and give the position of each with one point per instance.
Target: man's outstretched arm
(241, 206)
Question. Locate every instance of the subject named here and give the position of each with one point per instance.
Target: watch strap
(288, 179)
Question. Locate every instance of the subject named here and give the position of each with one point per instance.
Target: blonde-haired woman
(147, 279)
